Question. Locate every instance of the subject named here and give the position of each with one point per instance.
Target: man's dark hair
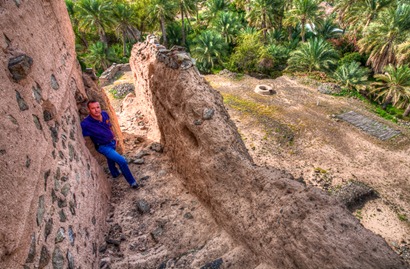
(90, 102)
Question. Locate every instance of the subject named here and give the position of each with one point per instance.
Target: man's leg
(109, 152)
(113, 169)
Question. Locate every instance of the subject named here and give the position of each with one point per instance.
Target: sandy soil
(303, 137)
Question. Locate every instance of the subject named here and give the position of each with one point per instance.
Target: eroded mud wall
(285, 224)
(53, 193)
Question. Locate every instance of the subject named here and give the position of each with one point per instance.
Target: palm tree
(351, 75)
(327, 29)
(214, 7)
(209, 50)
(315, 55)
(228, 24)
(260, 15)
(304, 12)
(359, 14)
(99, 56)
(383, 36)
(394, 87)
(125, 20)
(74, 22)
(186, 8)
(162, 11)
(95, 14)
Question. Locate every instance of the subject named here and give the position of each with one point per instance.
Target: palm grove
(362, 45)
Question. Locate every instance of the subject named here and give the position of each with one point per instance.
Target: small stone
(53, 196)
(54, 133)
(60, 235)
(216, 264)
(208, 113)
(20, 101)
(139, 161)
(32, 250)
(44, 258)
(145, 178)
(48, 228)
(62, 215)
(157, 233)
(54, 83)
(37, 122)
(28, 161)
(141, 154)
(197, 122)
(72, 207)
(65, 189)
(62, 202)
(105, 262)
(156, 147)
(71, 235)
(17, 2)
(103, 248)
(20, 66)
(188, 215)
(143, 207)
(70, 259)
(40, 210)
(37, 93)
(113, 242)
(58, 259)
(93, 220)
(46, 175)
(13, 120)
(47, 115)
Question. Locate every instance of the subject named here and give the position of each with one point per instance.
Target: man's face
(95, 110)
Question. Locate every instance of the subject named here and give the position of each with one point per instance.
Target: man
(97, 126)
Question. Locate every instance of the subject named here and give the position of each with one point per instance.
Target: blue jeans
(114, 157)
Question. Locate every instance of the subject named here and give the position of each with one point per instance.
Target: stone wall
(53, 194)
(282, 222)
(110, 73)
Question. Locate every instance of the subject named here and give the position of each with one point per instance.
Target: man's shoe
(135, 186)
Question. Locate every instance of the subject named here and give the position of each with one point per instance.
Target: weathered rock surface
(283, 223)
(50, 185)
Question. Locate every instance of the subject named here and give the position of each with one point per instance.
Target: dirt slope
(303, 137)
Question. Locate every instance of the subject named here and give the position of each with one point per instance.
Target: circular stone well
(265, 90)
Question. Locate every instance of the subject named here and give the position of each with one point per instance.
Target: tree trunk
(183, 25)
(124, 45)
(387, 102)
(289, 33)
(264, 25)
(103, 37)
(164, 33)
(302, 30)
(84, 39)
(407, 111)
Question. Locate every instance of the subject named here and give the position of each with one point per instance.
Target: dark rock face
(20, 66)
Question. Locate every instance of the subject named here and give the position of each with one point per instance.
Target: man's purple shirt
(99, 131)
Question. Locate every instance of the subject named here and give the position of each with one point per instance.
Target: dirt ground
(295, 130)
(302, 136)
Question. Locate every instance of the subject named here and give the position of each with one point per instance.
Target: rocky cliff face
(284, 223)
(53, 194)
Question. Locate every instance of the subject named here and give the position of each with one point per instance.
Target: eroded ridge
(285, 224)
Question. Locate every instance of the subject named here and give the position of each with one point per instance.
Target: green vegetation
(363, 45)
(402, 217)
